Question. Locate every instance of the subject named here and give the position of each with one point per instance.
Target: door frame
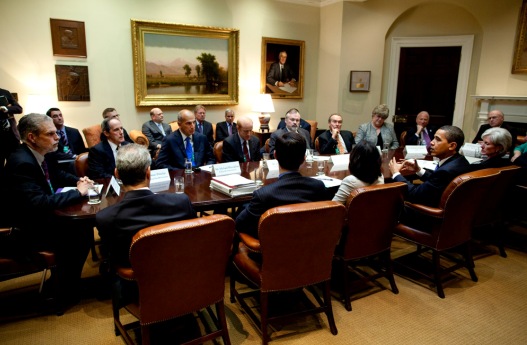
(465, 41)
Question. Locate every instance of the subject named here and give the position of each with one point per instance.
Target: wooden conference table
(197, 187)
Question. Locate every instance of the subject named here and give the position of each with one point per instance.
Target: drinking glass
(266, 157)
(258, 176)
(321, 165)
(188, 166)
(94, 197)
(179, 184)
(309, 155)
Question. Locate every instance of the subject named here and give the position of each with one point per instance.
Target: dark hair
(291, 148)
(365, 162)
(48, 113)
(107, 110)
(454, 134)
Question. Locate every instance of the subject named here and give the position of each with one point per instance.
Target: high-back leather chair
(296, 244)
(317, 145)
(446, 227)
(490, 215)
(266, 146)
(92, 135)
(81, 164)
(139, 138)
(365, 239)
(402, 139)
(218, 151)
(313, 131)
(186, 274)
(174, 125)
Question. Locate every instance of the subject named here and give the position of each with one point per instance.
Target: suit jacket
(207, 131)
(101, 163)
(232, 149)
(492, 162)
(154, 135)
(117, 224)
(279, 132)
(434, 182)
(412, 139)
(222, 131)
(303, 124)
(76, 144)
(31, 201)
(290, 188)
(511, 130)
(369, 133)
(328, 145)
(172, 154)
(273, 75)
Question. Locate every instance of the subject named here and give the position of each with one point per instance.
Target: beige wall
(339, 38)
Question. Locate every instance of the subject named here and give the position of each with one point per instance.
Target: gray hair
(32, 123)
(499, 136)
(381, 110)
(229, 111)
(132, 163)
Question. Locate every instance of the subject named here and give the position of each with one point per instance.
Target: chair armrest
(5, 232)
(250, 242)
(426, 210)
(125, 273)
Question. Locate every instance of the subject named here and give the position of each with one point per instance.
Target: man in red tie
(243, 146)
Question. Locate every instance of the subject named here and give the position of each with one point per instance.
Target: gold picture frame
(519, 64)
(68, 38)
(177, 64)
(294, 85)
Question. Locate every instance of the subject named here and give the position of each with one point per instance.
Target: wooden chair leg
(389, 271)
(328, 308)
(345, 275)
(437, 274)
(264, 310)
(220, 311)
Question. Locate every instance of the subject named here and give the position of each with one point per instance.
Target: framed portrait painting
(519, 64)
(282, 73)
(68, 38)
(72, 83)
(177, 64)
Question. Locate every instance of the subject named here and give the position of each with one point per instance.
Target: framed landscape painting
(177, 64)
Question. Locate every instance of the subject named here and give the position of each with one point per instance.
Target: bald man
(242, 146)
(495, 118)
(155, 130)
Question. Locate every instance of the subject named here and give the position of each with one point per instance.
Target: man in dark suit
(227, 127)
(111, 113)
(235, 146)
(495, 119)
(101, 157)
(290, 188)
(140, 207)
(279, 73)
(421, 134)
(292, 121)
(32, 187)
(9, 137)
(334, 140)
(303, 124)
(175, 148)
(155, 130)
(71, 143)
(445, 146)
(202, 126)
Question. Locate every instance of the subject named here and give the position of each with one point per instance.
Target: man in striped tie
(202, 126)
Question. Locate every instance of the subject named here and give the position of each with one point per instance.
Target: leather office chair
(174, 125)
(317, 145)
(214, 132)
(366, 241)
(267, 149)
(139, 138)
(402, 139)
(218, 151)
(92, 135)
(446, 227)
(81, 164)
(16, 261)
(490, 215)
(313, 131)
(186, 274)
(296, 244)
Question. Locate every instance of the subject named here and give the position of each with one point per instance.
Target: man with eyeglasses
(292, 124)
(242, 146)
(495, 119)
(111, 112)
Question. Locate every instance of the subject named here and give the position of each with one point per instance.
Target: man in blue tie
(202, 126)
(227, 127)
(155, 130)
(185, 143)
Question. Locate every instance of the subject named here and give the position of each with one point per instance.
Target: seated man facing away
(242, 146)
(445, 146)
(185, 143)
(101, 157)
(334, 140)
(290, 188)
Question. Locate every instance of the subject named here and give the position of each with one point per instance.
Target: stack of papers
(471, 150)
(328, 181)
(233, 185)
(415, 152)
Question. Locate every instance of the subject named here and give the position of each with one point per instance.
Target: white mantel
(513, 107)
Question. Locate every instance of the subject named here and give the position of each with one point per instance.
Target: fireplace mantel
(513, 107)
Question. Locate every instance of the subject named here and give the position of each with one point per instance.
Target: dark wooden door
(427, 81)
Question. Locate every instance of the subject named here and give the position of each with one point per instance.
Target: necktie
(189, 151)
(281, 74)
(246, 151)
(426, 137)
(46, 174)
(64, 141)
(200, 128)
(229, 126)
(160, 126)
(340, 147)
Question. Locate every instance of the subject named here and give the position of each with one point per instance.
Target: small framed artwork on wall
(72, 83)
(68, 38)
(360, 81)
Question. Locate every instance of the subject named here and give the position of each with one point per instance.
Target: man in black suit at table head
(227, 127)
(335, 140)
(292, 122)
(242, 146)
(202, 126)
(9, 137)
(290, 188)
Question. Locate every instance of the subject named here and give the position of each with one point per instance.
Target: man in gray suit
(292, 124)
(155, 130)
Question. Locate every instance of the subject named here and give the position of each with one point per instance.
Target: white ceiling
(318, 3)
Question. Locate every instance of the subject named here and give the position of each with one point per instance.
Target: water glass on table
(321, 164)
(188, 166)
(179, 184)
(94, 197)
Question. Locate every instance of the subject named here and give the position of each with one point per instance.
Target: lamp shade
(263, 104)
